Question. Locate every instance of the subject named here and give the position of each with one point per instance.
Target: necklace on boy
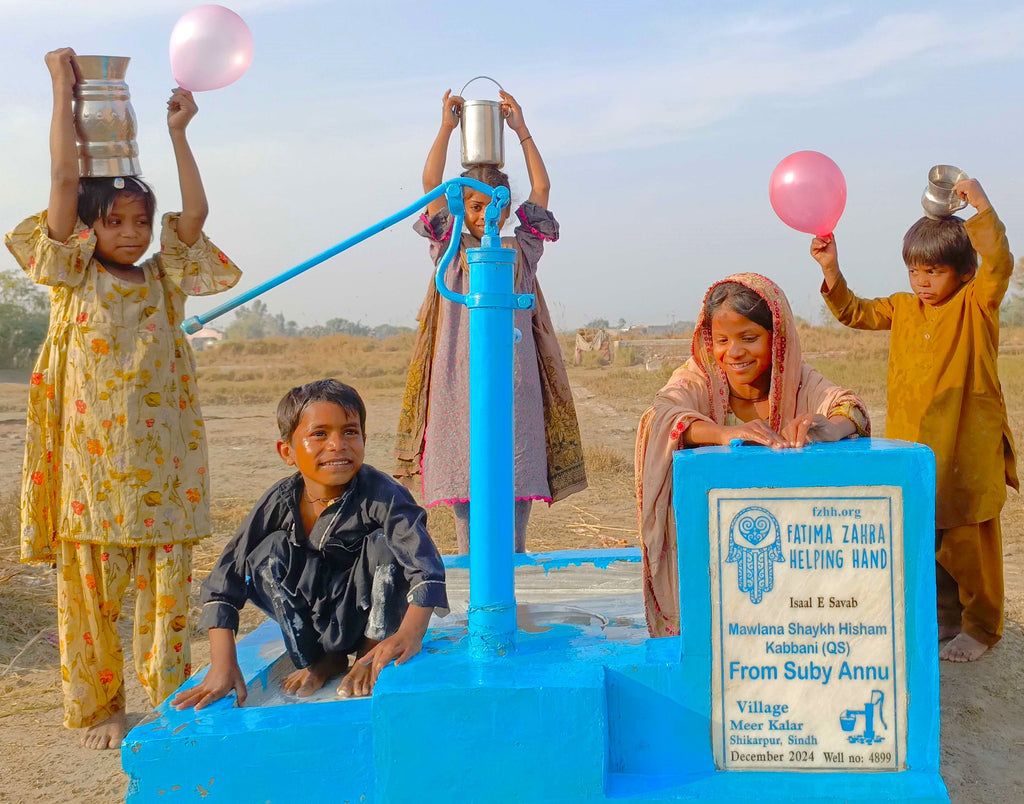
(327, 501)
(754, 399)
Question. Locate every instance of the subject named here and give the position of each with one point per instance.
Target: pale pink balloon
(211, 47)
(808, 192)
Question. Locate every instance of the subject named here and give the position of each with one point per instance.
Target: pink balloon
(211, 47)
(808, 192)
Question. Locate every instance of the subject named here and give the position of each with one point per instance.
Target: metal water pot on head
(483, 130)
(105, 123)
(939, 200)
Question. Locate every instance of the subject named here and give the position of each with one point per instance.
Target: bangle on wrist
(524, 139)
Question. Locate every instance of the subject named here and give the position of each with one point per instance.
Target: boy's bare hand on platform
(217, 683)
(223, 676)
(399, 648)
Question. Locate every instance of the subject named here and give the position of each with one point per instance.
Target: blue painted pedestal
(579, 713)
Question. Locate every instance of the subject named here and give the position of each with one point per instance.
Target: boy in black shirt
(338, 554)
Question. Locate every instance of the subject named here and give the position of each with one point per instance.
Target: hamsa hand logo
(755, 546)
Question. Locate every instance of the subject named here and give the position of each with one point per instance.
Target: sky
(660, 124)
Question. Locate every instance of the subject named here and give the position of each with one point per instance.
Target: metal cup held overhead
(105, 123)
(483, 123)
(939, 200)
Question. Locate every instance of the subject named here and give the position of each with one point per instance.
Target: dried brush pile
(28, 625)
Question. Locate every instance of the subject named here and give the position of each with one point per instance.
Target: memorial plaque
(808, 645)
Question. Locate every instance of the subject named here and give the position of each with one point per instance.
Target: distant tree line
(25, 312)
(24, 316)
(602, 323)
(1011, 313)
(256, 321)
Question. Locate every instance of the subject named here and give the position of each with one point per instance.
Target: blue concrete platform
(280, 748)
(588, 709)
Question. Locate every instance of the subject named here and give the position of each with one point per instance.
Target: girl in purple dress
(433, 438)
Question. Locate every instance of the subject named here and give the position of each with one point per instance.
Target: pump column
(491, 301)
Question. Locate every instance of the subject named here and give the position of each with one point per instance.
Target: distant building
(205, 337)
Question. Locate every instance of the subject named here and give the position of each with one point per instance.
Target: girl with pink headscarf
(745, 380)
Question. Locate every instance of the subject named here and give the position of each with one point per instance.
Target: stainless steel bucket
(939, 200)
(105, 123)
(483, 124)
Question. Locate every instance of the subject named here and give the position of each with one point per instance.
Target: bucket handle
(471, 80)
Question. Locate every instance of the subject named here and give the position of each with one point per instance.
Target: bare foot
(308, 680)
(358, 682)
(107, 733)
(948, 632)
(963, 648)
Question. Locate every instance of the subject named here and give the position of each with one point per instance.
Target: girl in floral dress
(115, 487)
(433, 432)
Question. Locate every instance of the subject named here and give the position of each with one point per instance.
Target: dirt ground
(983, 706)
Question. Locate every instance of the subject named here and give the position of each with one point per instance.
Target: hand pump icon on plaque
(848, 720)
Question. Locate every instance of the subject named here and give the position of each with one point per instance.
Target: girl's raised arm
(433, 170)
(540, 184)
(62, 211)
(181, 108)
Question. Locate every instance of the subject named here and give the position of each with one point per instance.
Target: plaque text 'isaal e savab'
(808, 628)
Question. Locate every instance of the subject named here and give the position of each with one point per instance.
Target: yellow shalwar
(115, 484)
(943, 391)
(91, 582)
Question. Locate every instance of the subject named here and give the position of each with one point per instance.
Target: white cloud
(759, 24)
(654, 103)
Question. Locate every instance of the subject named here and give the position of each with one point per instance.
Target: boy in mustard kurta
(943, 391)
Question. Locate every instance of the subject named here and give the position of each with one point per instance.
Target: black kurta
(369, 550)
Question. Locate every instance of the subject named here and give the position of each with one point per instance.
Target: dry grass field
(240, 383)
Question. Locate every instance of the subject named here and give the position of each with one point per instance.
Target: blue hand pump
(491, 302)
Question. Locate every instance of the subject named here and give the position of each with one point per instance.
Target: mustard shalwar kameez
(943, 391)
(115, 486)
